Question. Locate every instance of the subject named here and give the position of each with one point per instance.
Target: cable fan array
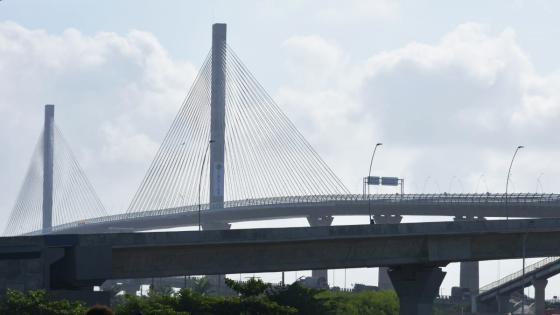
(265, 155)
(74, 198)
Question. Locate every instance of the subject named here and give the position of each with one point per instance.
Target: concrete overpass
(496, 294)
(319, 210)
(414, 252)
(325, 206)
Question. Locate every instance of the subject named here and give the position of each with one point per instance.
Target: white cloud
(331, 11)
(455, 108)
(356, 10)
(125, 144)
(116, 96)
(320, 60)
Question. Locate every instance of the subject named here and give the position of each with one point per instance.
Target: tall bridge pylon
(55, 189)
(256, 152)
(217, 115)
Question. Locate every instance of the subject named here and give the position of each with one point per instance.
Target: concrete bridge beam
(539, 285)
(383, 281)
(417, 286)
(207, 226)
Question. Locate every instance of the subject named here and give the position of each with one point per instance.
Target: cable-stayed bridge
(231, 155)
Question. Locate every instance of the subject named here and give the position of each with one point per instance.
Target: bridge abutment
(417, 286)
(383, 280)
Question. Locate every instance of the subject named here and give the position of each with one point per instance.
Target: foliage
(368, 302)
(303, 299)
(252, 305)
(190, 302)
(195, 302)
(254, 298)
(154, 304)
(253, 287)
(37, 302)
(202, 286)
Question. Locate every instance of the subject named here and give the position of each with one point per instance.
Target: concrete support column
(416, 286)
(383, 281)
(217, 281)
(502, 301)
(48, 160)
(539, 285)
(469, 271)
(320, 276)
(469, 276)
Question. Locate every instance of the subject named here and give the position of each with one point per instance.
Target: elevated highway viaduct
(320, 210)
(414, 253)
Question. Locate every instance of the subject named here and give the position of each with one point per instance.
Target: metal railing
(519, 274)
(375, 200)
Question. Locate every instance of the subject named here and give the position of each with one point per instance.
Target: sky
(449, 88)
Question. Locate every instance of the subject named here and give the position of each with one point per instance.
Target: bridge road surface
(453, 205)
(414, 252)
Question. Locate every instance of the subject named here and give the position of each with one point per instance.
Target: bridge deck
(473, 205)
(542, 269)
(160, 254)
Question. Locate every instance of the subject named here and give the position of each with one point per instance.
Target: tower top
(219, 31)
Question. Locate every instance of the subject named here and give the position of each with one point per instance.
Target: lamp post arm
(509, 170)
(371, 161)
(508, 176)
(371, 166)
(367, 181)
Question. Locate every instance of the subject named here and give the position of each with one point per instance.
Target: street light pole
(200, 181)
(367, 180)
(507, 181)
(539, 183)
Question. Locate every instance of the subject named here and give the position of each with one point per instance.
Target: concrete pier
(539, 285)
(321, 276)
(383, 280)
(417, 286)
(469, 270)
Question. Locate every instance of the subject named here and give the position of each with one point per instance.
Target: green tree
(202, 286)
(252, 287)
(154, 304)
(303, 299)
(363, 303)
(195, 302)
(37, 302)
(252, 300)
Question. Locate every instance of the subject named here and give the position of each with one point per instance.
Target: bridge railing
(513, 200)
(519, 274)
